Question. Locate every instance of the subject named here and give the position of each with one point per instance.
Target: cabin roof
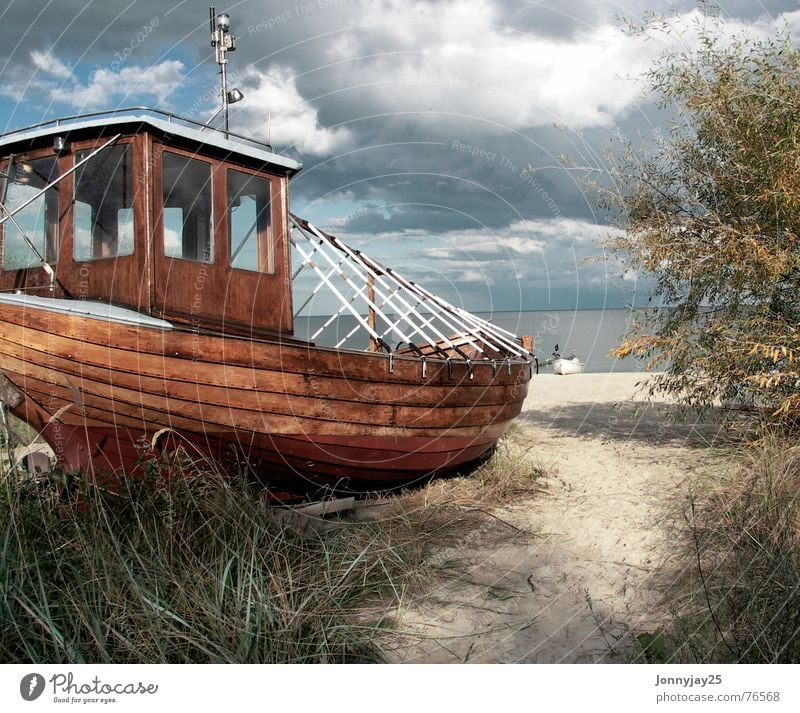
(155, 121)
(86, 308)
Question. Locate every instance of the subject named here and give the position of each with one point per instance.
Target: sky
(433, 134)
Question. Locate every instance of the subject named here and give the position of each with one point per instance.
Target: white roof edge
(86, 308)
(211, 138)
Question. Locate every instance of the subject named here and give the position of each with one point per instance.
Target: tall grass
(187, 571)
(739, 597)
(197, 569)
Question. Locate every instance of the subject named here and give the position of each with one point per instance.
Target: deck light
(233, 96)
(60, 145)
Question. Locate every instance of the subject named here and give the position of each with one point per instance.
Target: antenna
(223, 41)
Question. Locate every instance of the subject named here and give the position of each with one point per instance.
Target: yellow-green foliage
(711, 214)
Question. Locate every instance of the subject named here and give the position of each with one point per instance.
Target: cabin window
(187, 215)
(38, 221)
(103, 209)
(249, 223)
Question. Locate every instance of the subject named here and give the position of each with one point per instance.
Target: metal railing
(66, 121)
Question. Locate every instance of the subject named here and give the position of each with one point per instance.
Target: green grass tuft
(198, 568)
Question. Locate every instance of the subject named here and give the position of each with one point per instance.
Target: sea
(591, 333)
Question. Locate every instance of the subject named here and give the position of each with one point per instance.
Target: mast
(223, 41)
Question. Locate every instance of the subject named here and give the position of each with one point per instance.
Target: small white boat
(565, 365)
(573, 365)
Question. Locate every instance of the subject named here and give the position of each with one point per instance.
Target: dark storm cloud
(438, 173)
(746, 9)
(554, 18)
(91, 31)
(565, 18)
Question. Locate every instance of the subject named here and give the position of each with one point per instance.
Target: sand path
(591, 578)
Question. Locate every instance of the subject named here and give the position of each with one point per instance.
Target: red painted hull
(301, 463)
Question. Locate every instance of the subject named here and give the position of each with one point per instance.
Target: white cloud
(460, 56)
(475, 276)
(792, 22)
(572, 231)
(516, 239)
(521, 237)
(527, 254)
(463, 57)
(132, 83)
(50, 64)
(273, 98)
(764, 27)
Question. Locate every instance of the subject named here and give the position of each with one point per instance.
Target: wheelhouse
(142, 210)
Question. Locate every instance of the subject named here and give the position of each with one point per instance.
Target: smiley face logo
(31, 686)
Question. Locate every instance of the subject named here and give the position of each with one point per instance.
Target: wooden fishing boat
(146, 300)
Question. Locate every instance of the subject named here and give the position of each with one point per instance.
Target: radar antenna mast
(223, 41)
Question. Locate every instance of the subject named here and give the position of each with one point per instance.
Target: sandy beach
(592, 575)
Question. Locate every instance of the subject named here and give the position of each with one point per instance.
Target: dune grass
(189, 572)
(738, 598)
(198, 568)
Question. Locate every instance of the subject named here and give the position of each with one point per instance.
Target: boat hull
(107, 395)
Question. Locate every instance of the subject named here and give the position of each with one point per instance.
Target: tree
(711, 213)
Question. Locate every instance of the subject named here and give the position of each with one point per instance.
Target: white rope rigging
(423, 323)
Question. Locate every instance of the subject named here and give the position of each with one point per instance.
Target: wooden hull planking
(293, 413)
